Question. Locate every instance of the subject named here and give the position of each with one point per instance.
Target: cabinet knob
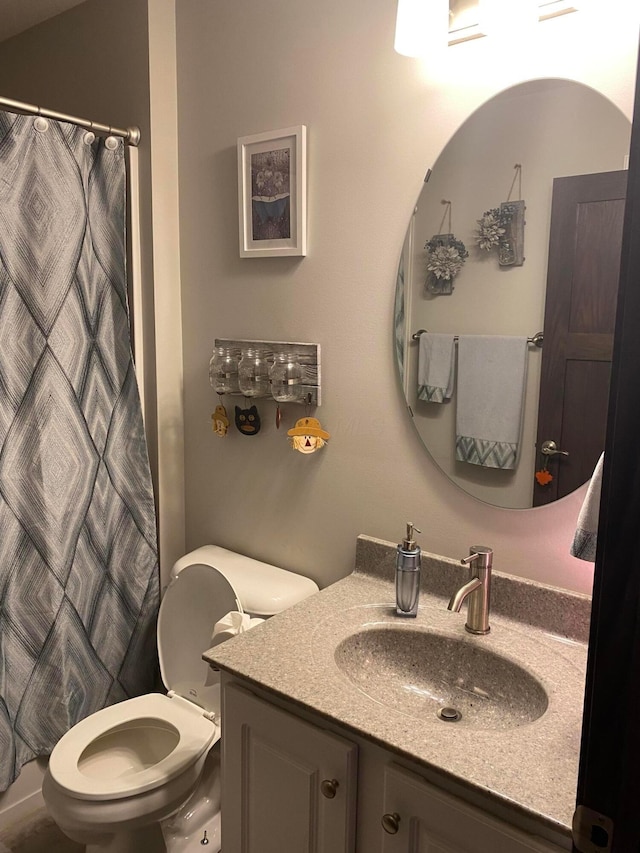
(329, 788)
(391, 823)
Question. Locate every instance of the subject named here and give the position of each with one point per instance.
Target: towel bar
(536, 340)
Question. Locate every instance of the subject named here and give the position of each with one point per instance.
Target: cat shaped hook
(248, 420)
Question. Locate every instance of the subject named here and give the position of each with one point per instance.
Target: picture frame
(272, 193)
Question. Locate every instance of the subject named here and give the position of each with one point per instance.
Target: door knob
(391, 823)
(550, 448)
(329, 788)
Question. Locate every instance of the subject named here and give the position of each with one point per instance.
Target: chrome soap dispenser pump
(408, 574)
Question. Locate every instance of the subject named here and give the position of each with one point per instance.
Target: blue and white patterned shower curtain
(78, 554)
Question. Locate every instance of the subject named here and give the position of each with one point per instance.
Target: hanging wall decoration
(248, 420)
(501, 228)
(220, 421)
(307, 435)
(272, 188)
(445, 257)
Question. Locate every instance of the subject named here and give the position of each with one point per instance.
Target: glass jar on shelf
(223, 370)
(253, 372)
(286, 377)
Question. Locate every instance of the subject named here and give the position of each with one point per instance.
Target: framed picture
(272, 193)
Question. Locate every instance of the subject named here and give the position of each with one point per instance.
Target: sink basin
(422, 672)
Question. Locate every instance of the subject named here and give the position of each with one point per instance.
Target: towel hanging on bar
(492, 372)
(436, 367)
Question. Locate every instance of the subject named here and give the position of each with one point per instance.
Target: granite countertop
(529, 766)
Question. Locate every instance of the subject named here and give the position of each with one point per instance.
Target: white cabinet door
(430, 821)
(287, 786)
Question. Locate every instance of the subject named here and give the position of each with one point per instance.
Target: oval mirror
(516, 232)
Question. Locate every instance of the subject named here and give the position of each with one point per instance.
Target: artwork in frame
(272, 193)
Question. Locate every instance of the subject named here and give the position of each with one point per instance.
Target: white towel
(436, 358)
(586, 535)
(492, 372)
(232, 624)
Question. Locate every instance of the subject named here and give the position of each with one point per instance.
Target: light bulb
(412, 27)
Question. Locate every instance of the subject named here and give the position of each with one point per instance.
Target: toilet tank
(262, 589)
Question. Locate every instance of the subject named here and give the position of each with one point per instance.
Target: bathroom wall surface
(376, 121)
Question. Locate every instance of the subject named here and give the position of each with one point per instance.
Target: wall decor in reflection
(272, 193)
(502, 228)
(445, 257)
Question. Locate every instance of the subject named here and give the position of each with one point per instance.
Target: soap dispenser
(408, 574)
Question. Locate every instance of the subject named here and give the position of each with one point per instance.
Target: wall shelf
(307, 355)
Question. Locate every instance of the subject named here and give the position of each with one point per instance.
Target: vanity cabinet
(296, 785)
(288, 786)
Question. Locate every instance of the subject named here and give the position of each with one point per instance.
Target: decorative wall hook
(307, 435)
(248, 420)
(220, 421)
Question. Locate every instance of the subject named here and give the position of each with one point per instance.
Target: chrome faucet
(477, 590)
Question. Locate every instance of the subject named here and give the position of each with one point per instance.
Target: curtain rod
(131, 135)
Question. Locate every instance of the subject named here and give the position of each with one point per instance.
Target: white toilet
(118, 773)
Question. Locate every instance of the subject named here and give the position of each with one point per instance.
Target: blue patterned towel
(492, 372)
(436, 360)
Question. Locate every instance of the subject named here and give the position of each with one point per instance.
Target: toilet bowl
(116, 776)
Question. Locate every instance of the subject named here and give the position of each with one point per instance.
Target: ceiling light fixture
(412, 24)
(419, 23)
(507, 18)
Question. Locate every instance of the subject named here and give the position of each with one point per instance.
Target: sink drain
(449, 715)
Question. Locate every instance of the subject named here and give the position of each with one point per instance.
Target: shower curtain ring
(40, 123)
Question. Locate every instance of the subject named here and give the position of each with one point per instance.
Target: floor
(37, 833)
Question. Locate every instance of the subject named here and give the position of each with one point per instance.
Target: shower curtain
(78, 554)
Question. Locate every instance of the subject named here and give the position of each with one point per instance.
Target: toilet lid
(192, 604)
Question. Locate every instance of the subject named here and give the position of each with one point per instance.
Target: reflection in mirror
(470, 19)
(571, 144)
(464, 21)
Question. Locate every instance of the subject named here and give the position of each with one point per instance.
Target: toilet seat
(107, 756)
(186, 734)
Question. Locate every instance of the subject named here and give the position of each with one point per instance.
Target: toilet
(143, 776)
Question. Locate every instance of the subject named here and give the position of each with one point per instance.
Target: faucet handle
(482, 553)
(477, 589)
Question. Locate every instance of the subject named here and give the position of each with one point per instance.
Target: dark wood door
(587, 215)
(609, 781)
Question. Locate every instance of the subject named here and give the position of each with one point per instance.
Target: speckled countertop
(528, 765)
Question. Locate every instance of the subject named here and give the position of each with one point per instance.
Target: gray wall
(375, 121)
